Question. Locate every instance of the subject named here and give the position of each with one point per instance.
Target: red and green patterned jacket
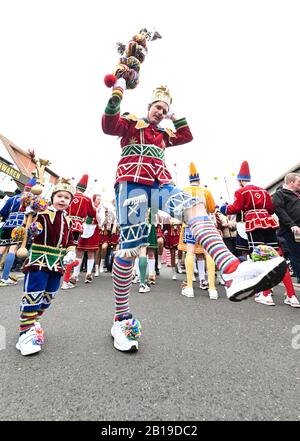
(49, 248)
(143, 145)
(80, 207)
(256, 203)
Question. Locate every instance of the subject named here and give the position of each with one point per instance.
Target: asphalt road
(198, 359)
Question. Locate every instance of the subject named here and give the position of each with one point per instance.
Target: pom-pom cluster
(18, 233)
(132, 56)
(38, 203)
(25, 199)
(133, 329)
(263, 252)
(35, 228)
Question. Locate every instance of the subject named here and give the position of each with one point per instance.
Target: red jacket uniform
(256, 203)
(143, 145)
(49, 248)
(80, 207)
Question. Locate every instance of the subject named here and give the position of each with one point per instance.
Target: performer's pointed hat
(82, 184)
(194, 175)
(244, 173)
(28, 186)
(161, 93)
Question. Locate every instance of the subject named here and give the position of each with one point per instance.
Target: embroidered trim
(133, 252)
(143, 150)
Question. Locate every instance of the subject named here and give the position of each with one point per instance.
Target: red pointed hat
(244, 173)
(82, 184)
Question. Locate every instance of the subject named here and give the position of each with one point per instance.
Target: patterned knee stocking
(27, 320)
(207, 235)
(122, 279)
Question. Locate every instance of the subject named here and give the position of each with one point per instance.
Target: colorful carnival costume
(260, 225)
(12, 231)
(43, 269)
(149, 256)
(108, 235)
(171, 232)
(189, 245)
(258, 209)
(143, 181)
(80, 208)
(89, 239)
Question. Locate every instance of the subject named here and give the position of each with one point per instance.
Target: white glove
(121, 82)
(69, 257)
(29, 209)
(170, 113)
(295, 229)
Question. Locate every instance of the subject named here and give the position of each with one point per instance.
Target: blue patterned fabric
(188, 236)
(12, 218)
(40, 288)
(11, 205)
(15, 219)
(132, 203)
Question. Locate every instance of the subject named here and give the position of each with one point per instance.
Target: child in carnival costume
(50, 251)
(14, 217)
(143, 181)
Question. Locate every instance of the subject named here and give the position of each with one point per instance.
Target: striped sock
(207, 235)
(122, 278)
(40, 312)
(27, 320)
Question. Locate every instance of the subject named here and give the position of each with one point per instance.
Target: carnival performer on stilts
(143, 181)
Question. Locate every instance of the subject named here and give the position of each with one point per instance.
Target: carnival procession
(63, 236)
(149, 215)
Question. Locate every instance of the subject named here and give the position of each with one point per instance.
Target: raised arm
(112, 123)
(182, 135)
